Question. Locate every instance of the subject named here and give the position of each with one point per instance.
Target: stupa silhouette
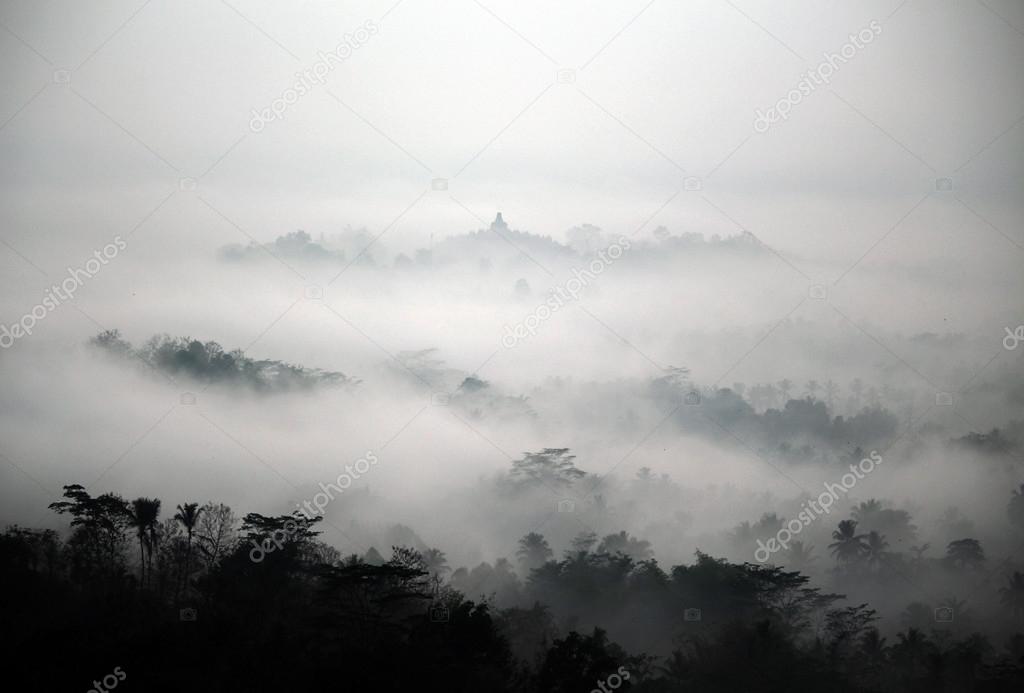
(499, 224)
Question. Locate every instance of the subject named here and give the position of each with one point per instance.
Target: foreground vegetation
(202, 601)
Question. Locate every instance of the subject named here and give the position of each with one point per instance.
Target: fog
(501, 232)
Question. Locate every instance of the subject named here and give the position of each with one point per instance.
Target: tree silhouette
(636, 549)
(208, 362)
(965, 553)
(584, 542)
(799, 556)
(188, 516)
(578, 662)
(866, 511)
(144, 515)
(848, 547)
(552, 468)
(216, 532)
(892, 523)
(533, 552)
(280, 594)
(875, 552)
(436, 565)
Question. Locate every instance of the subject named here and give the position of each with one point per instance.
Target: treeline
(208, 362)
(202, 600)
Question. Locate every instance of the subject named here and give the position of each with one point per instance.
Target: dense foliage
(209, 363)
(216, 603)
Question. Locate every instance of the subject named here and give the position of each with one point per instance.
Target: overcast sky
(897, 185)
(468, 91)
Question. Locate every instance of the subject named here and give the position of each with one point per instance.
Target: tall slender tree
(188, 516)
(144, 514)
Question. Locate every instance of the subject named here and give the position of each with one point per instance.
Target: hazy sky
(468, 91)
(898, 185)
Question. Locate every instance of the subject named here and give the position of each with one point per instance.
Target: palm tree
(144, 514)
(875, 549)
(912, 648)
(848, 546)
(812, 388)
(435, 562)
(866, 511)
(188, 516)
(1013, 594)
(799, 556)
(436, 565)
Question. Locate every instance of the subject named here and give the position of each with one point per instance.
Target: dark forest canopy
(204, 600)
